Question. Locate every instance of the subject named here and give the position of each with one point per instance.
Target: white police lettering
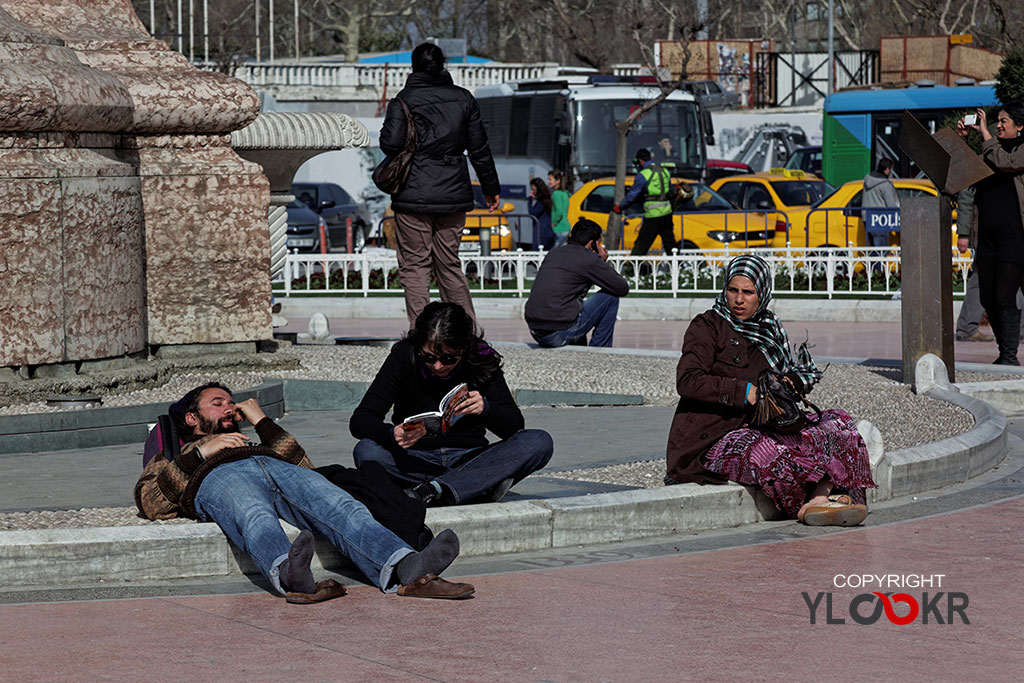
(880, 218)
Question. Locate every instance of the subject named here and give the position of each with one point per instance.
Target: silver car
(711, 95)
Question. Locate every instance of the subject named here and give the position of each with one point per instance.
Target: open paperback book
(437, 422)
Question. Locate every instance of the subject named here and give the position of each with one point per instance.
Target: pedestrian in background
(878, 192)
(998, 225)
(653, 184)
(970, 308)
(541, 207)
(560, 209)
(430, 210)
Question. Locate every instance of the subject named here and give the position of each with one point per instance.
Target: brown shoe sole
(433, 586)
(835, 514)
(328, 589)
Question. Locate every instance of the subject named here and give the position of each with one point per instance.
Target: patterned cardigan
(168, 489)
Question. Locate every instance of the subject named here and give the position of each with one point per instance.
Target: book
(439, 421)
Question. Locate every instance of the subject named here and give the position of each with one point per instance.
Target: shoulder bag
(392, 172)
(778, 405)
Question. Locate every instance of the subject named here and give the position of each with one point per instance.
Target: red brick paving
(718, 615)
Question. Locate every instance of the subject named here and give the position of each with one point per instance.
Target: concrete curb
(952, 460)
(882, 309)
(168, 551)
(158, 552)
(630, 308)
(72, 430)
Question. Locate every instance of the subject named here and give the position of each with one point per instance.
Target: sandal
(835, 513)
(841, 498)
(328, 589)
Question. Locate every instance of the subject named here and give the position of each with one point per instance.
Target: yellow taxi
(780, 189)
(706, 221)
(502, 238)
(838, 220)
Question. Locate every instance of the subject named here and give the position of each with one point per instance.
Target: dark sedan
(336, 206)
(303, 227)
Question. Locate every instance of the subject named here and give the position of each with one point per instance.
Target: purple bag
(163, 438)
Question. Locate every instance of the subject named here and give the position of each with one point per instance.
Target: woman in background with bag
(724, 429)
(430, 207)
(541, 206)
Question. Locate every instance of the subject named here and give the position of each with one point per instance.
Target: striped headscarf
(763, 329)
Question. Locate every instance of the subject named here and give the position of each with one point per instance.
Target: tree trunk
(613, 234)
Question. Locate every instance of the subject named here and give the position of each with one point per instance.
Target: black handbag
(392, 172)
(778, 405)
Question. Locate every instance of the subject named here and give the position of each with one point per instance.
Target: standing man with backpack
(430, 208)
(654, 184)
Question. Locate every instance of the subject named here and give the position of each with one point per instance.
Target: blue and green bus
(862, 126)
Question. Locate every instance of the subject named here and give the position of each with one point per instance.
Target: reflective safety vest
(656, 200)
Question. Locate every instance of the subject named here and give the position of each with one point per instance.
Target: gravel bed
(77, 519)
(903, 418)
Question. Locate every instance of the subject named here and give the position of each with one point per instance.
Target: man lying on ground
(246, 489)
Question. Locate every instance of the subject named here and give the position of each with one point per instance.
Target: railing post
(287, 274)
(520, 273)
(366, 275)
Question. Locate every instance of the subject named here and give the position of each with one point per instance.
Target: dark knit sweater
(168, 488)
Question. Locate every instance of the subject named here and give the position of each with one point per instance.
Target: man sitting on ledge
(220, 476)
(556, 311)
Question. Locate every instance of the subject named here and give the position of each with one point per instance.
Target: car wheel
(359, 231)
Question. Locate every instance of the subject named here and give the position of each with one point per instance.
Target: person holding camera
(556, 311)
(818, 473)
(997, 224)
(654, 184)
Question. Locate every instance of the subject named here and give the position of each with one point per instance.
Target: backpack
(163, 438)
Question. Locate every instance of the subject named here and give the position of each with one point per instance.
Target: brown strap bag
(392, 172)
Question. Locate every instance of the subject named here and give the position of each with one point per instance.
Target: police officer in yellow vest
(654, 184)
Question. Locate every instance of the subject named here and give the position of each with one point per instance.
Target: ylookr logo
(899, 608)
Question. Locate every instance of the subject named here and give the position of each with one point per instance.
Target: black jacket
(448, 123)
(404, 387)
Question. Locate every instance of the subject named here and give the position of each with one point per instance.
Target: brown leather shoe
(433, 586)
(978, 336)
(328, 589)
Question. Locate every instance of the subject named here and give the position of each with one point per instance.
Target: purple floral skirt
(787, 466)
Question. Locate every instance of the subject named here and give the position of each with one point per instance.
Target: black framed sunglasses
(445, 358)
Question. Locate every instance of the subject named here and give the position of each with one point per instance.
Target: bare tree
(622, 128)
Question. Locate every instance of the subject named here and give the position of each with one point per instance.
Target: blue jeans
(598, 314)
(467, 472)
(246, 498)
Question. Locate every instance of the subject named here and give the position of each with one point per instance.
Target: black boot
(1008, 336)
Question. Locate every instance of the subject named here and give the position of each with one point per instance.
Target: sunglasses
(445, 358)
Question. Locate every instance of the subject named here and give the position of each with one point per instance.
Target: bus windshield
(671, 131)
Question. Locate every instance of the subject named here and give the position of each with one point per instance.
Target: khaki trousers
(430, 243)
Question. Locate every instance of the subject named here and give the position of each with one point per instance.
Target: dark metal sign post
(926, 242)
(927, 282)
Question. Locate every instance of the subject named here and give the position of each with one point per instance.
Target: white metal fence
(823, 272)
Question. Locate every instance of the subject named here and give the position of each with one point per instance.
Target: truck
(536, 126)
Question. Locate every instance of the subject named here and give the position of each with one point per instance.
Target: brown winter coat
(168, 489)
(711, 379)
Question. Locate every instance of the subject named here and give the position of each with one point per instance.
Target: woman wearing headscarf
(818, 475)
(998, 225)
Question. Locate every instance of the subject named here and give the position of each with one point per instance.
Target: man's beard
(218, 427)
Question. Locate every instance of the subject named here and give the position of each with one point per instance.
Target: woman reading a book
(445, 389)
(817, 474)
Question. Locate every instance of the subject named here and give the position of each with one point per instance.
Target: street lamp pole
(831, 48)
